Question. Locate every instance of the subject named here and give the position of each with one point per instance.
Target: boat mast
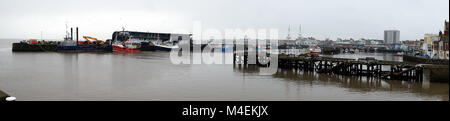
(300, 32)
(289, 33)
(67, 33)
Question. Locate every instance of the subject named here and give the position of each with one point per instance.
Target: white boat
(399, 54)
(165, 46)
(315, 50)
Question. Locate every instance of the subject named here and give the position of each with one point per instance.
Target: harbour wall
(3, 96)
(24, 47)
(424, 60)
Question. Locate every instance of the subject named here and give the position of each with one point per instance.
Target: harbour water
(152, 76)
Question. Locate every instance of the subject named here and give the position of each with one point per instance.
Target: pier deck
(343, 66)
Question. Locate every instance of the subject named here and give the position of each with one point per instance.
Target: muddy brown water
(152, 76)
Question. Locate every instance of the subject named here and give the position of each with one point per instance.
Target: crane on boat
(88, 39)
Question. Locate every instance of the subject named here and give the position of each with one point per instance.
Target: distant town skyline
(25, 19)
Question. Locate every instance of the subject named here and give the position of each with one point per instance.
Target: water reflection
(70, 72)
(152, 76)
(357, 84)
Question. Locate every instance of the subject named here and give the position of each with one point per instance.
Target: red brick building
(443, 43)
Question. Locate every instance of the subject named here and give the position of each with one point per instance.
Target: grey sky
(319, 18)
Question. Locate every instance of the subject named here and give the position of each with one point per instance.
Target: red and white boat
(399, 54)
(315, 50)
(126, 47)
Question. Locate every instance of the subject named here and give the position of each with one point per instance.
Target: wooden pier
(353, 67)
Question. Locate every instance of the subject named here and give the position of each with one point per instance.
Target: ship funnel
(77, 34)
(71, 33)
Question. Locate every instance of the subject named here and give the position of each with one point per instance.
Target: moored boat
(70, 45)
(123, 41)
(315, 50)
(147, 41)
(399, 54)
(165, 46)
(125, 47)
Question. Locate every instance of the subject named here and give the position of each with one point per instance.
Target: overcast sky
(24, 19)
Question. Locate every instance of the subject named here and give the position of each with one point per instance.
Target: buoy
(10, 99)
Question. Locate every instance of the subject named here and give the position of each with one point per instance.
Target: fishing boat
(126, 47)
(148, 41)
(399, 54)
(123, 41)
(315, 50)
(165, 46)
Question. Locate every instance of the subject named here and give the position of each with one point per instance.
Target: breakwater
(25, 47)
(3, 96)
(439, 73)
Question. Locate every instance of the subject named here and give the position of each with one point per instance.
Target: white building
(429, 39)
(307, 41)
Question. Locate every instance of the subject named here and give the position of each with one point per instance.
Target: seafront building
(427, 45)
(442, 46)
(412, 45)
(436, 46)
(310, 41)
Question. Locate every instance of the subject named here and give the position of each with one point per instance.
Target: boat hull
(121, 49)
(84, 49)
(315, 53)
(162, 48)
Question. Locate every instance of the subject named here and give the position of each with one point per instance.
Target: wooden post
(360, 68)
(320, 65)
(245, 59)
(421, 74)
(234, 58)
(381, 69)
